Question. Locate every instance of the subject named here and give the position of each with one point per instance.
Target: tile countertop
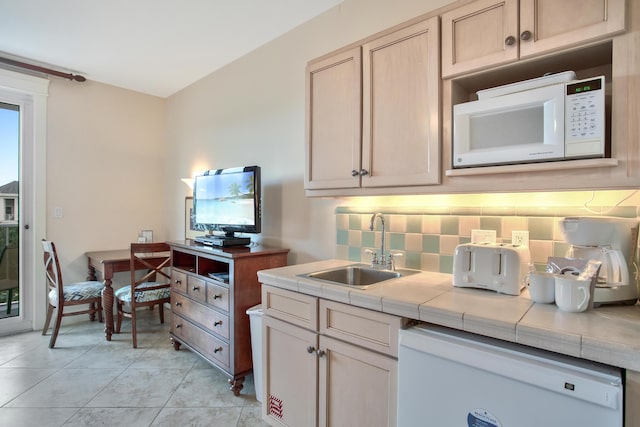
(609, 334)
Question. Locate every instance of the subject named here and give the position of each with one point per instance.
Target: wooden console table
(211, 290)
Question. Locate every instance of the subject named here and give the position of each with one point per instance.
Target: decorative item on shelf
(145, 236)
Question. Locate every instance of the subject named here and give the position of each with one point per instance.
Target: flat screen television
(228, 200)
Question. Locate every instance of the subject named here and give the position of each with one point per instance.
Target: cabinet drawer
(366, 328)
(292, 307)
(208, 318)
(178, 280)
(218, 296)
(197, 288)
(206, 343)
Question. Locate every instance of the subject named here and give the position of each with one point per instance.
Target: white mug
(572, 294)
(542, 287)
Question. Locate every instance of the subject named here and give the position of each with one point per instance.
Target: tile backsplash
(427, 236)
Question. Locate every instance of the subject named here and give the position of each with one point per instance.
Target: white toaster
(499, 267)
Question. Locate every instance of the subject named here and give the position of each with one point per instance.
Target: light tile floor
(87, 381)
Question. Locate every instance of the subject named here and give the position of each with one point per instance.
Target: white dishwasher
(449, 378)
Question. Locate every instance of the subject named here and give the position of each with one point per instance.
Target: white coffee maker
(613, 241)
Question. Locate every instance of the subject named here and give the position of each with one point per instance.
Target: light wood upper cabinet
(487, 33)
(333, 122)
(401, 96)
(376, 123)
(474, 36)
(557, 24)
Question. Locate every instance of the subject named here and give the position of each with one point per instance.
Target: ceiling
(156, 47)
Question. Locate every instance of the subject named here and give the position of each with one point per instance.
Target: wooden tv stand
(211, 290)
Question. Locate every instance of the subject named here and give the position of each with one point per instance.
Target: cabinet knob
(178, 304)
(355, 173)
(217, 350)
(218, 323)
(525, 35)
(217, 296)
(364, 172)
(311, 349)
(320, 353)
(510, 41)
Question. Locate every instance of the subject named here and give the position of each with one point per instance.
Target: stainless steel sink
(360, 276)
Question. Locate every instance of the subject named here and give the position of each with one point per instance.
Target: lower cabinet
(326, 363)
(357, 387)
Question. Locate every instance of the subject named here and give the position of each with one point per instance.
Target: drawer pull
(178, 304)
(217, 350)
(217, 296)
(311, 349)
(320, 353)
(178, 282)
(218, 323)
(178, 326)
(196, 288)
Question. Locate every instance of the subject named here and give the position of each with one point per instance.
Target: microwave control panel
(584, 118)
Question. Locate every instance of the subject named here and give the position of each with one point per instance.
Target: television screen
(228, 200)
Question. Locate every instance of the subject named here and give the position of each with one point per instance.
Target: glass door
(10, 302)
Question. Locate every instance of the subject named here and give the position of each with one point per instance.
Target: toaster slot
(497, 263)
(466, 261)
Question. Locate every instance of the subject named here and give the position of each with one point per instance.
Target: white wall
(252, 112)
(105, 169)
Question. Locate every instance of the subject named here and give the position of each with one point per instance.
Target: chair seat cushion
(77, 292)
(124, 294)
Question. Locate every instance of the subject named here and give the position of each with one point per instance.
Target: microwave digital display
(584, 86)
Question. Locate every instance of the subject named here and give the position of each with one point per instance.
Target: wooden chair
(149, 290)
(61, 296)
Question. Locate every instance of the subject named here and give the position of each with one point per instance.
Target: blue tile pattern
(540, 222)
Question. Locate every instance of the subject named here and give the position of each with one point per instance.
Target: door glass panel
(9, 212)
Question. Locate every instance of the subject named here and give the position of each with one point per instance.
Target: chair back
(52, 268)
(157, 271)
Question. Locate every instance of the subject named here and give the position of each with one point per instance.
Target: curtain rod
(45, 70)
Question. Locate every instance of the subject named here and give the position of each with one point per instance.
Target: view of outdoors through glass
(9, 196)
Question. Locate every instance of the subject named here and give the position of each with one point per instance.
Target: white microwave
(532, 121)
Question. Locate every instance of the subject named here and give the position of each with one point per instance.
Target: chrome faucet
(378, 261)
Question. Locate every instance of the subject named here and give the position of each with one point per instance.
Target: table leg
(107, 300)
(107, 306)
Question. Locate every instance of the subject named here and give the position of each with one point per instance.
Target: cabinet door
(553, 24)
(479, 35)
(290, 376)
(357, 387)
(333, 122)
(401, 105)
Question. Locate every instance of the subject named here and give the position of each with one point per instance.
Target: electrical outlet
(57, 212)
(483, 236)
(520, 238)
